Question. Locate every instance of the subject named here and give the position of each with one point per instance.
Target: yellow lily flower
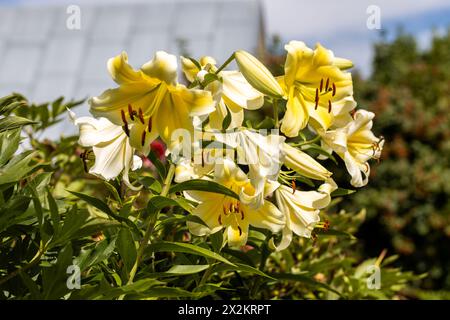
(149, 102)
(233, 94)
(316, 87)
(223, 212)
(355, 143)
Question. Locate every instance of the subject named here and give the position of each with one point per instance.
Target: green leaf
(342, 192)
(126, 248)
(160, 167)
(166, 246)
(244, 268)
(17, 168)
(97, 203)
(10, 102)
(203, 185)
(210, 77)
(303, 279)
(54, 212)
(226, 121)
(151, 184)
(55, 278)
(101, 251)
(187, 269)
(157, 203)
(217, 240)
(113, 191)
(9, 142)
(13, 122)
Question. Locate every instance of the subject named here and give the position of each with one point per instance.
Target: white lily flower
(355, 143)
(111, 147)
(301, 209)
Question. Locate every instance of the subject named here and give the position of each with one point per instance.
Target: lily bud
(303, 164)
(257, 74)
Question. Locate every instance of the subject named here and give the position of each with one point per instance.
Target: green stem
(315, 139)
(223, 66)
(275, 113)
(145, 241)
(206, 275)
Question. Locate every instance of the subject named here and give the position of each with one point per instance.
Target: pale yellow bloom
(233, 94)
(223, 212)
(355, 143)
(302, 210)
(317, 89)
(149, 102)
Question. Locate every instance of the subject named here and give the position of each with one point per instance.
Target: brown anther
(242, 214)
(317, 99)
(294, 187)
(150, 124)
(352, 113)
(321, 85)
(326, 225)
(240, 231)
(220, 219)
(124, 118)
(329, 106)
(141, 116)
(143, 138)
(126, 130)
(334, 89)
(131, 112)
(326, 84)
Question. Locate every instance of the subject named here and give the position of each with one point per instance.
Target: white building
(42, 58)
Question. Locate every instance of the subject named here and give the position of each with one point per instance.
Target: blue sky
(339, 25)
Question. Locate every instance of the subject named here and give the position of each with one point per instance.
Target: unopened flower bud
(257, 74)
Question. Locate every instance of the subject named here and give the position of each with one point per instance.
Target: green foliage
(409, 190)
(53, 216)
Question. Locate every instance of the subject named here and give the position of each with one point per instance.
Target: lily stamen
(141, 116)
(143, 138)
(334, 89)
(150, 124)
(326, 84)
(321, 85)
(329, 106)
(124, 118)
(317, 99)
(294, 187)
(126, 130)
(131, 112)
